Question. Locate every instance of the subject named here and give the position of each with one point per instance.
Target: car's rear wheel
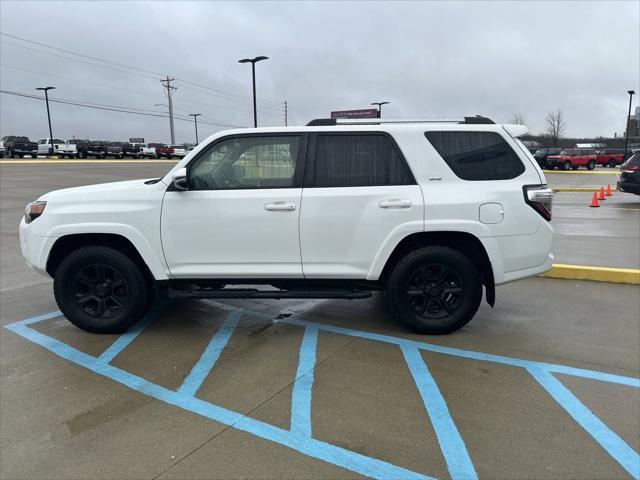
(611, 163)
(566, 165)
(101, 290)
(591, 165)
(434, 290)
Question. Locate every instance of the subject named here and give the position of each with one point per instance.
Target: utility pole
(286, 124)
(166, 83)
(195, 122)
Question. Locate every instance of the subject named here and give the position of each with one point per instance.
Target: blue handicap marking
(300, 436)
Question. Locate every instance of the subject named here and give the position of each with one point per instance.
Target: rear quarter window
(476, 156)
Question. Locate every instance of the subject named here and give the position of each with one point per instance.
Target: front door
(239, 217)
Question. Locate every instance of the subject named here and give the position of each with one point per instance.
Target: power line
(110, 108)
(77, 60)
(78, 54)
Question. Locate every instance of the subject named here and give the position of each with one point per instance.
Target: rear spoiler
(516, 130)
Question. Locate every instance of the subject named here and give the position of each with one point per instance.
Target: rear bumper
(629, 187)
(529, 272)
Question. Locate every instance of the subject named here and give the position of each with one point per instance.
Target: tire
(591, 165)
(169, 157)
(417, 290)
(611, 163)
(82, 155)
(103, 156)
(566, 165)
(574, 167)
(101, 290)
(34, 156)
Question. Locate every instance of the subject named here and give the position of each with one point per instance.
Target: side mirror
(180, 181)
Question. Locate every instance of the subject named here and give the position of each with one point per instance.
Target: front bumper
(34, 248)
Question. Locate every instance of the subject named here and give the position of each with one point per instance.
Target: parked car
(263, 207)
(629, 176)
(147, 151)
(542, 154)
(610, 157)
(87, 148)
(3, 150)
(162, 150)
(57, 147)
(128, 149)
(179, 151)
(19, 146)
(114, 150)
(573, 158)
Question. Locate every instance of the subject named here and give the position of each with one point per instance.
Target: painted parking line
(201, 369)
(299, 436)
(303, 385)
(73, 162)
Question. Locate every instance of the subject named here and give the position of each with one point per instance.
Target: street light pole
(379, 104)
(253, 62)
(195, 122)
(46, 98)
(626, 138)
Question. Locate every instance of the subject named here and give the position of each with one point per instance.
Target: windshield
(568, 152)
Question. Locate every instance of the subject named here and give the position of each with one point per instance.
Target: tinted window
(359, 161)
(246, 162)
(477, 155)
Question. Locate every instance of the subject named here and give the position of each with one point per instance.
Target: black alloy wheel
(435, 290)
(100, 291)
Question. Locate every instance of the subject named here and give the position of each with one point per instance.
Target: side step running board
(277, 294)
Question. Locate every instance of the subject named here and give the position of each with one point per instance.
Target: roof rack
(324, 122)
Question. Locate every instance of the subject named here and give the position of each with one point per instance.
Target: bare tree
(518, 119)
(556, 126)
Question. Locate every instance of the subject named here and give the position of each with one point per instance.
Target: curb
(584, 172)
(630, 276)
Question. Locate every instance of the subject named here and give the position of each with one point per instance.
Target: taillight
(33, 211)
(540, 198)
(629, 168)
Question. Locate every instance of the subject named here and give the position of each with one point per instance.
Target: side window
(477, 155)
(359, 160)
(246, 162)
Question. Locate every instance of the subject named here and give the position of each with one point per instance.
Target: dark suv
(87, 148)
(629, 179)
(542, 154)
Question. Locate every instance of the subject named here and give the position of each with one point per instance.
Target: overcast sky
(428, 59)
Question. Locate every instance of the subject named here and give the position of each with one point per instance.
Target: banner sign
(136, 140)
(364, 113)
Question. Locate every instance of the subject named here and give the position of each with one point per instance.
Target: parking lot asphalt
(583, 178)
(544, 385)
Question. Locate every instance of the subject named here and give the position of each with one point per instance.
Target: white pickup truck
(56, 147)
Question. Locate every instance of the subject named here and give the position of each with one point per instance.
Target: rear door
(358, 194)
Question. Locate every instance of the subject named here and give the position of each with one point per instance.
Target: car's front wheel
(101, 290)
(434, 290)
(591, 165)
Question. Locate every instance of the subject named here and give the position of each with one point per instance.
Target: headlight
(33, 211)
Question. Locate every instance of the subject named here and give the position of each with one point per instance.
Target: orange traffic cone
(594, 200)
(601, 196)
(608, 192)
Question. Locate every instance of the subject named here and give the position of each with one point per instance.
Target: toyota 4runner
(429, 212)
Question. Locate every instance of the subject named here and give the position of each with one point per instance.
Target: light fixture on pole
(253, 62)
(379, 104)
(46, 98)
(626, 138)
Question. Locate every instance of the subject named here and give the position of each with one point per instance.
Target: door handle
(395, 203)
(280, 206)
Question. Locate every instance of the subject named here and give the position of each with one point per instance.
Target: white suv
(428, 212)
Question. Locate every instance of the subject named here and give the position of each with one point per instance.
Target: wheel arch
(464, 242)
(68, 243)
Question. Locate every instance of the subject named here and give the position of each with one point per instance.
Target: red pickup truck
(162, 150)
(610, 157)
(573, 158)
